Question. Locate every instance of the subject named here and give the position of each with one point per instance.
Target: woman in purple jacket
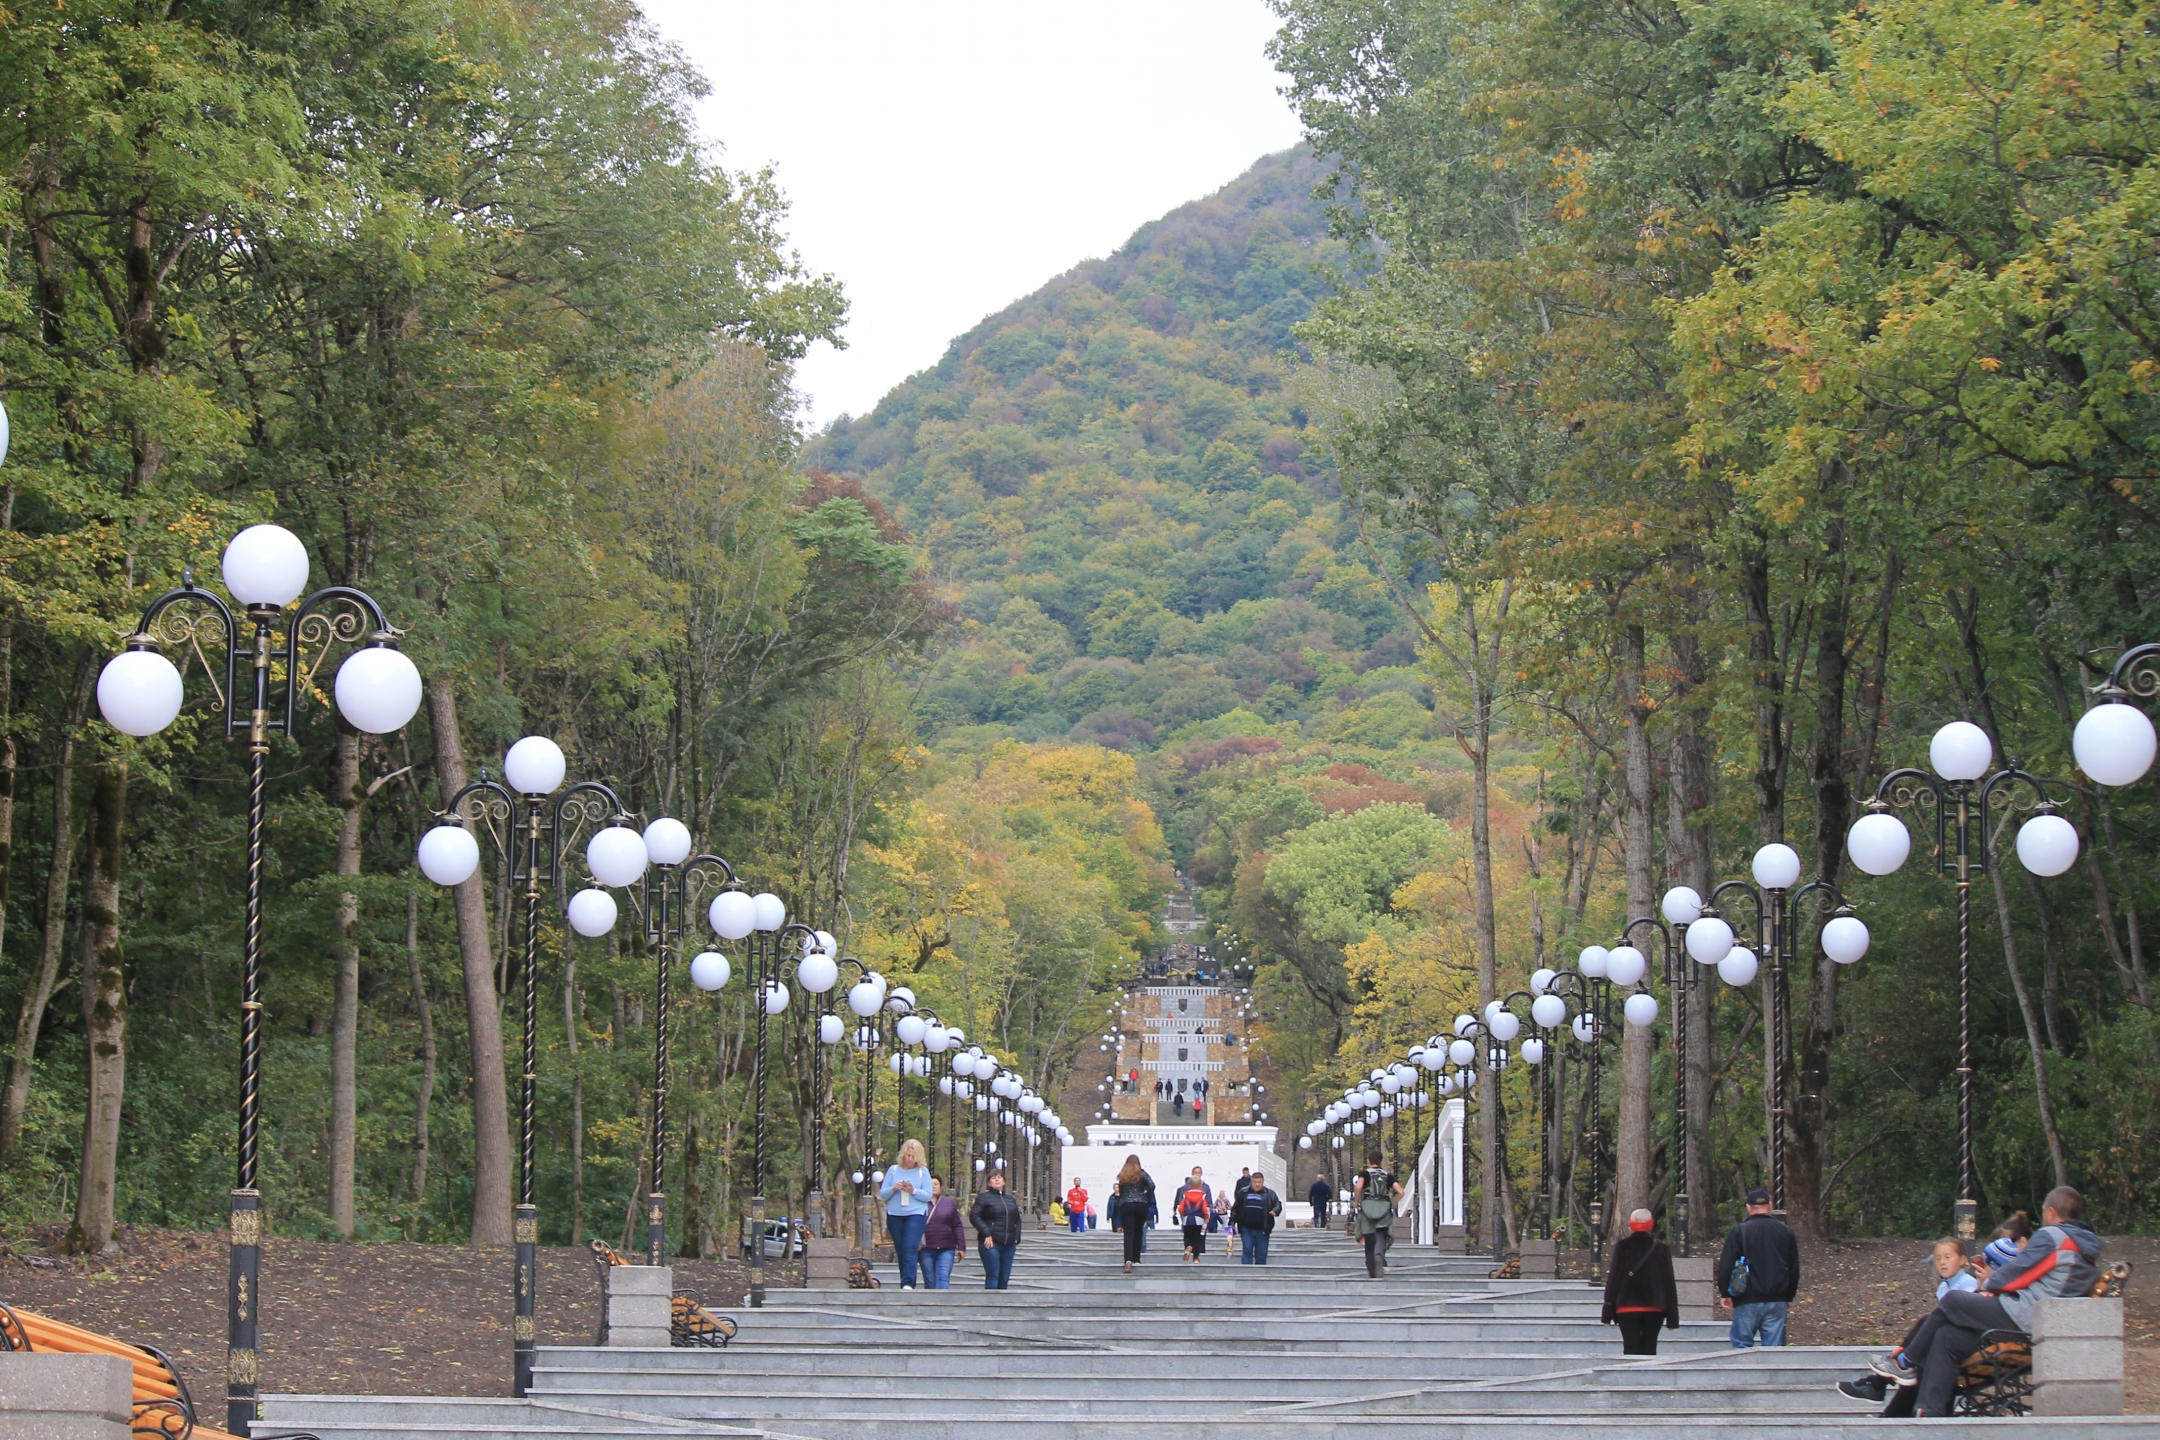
(944, 1239)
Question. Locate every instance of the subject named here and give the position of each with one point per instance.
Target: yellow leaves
(1989, 362)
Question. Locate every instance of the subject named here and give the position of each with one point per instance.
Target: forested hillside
(1123, 484)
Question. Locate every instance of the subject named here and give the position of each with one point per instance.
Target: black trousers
(1196, 1238)
(1942, 1340)
(1132, 1220)
(1376, 1248)
(1638, 1333)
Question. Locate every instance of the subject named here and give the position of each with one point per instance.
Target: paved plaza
(1307, 1348)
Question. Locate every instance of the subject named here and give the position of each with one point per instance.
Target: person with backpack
(1256, 1210)
(1195, 1202)
(1758, 1274)
(1372, 1205)
(1133, 1195)
(1640, 1294)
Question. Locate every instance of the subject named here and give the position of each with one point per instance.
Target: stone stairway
(1307, 1347)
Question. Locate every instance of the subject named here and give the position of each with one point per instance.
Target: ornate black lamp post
(140, 692)
(1968, 805)
(544, 819)
(1706, 936)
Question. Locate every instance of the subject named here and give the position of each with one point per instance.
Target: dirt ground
(389, 1319)
(435, 1319)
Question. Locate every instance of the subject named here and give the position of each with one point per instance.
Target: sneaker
(1868, 1390)
(1894, 1369)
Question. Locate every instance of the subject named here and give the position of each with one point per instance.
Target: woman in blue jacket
(906, 1193)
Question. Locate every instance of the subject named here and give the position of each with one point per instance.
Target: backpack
(1193, 1206)
(1378, 1207)
(1736, 1283)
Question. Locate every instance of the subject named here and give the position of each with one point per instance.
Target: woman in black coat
(1639, 1291)
(996, 1217)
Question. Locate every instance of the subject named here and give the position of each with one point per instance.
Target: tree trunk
(1691, 845)
(483, 1014)
(345, 1000)
(1631, 1169)
(425, 1097)
(1808, 1117)
(31, 1019)
(104, 1003)
(1768, 673)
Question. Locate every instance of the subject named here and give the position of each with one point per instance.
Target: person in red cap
(1639, 1291)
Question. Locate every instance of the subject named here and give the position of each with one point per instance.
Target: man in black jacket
(1256, 1210)
(1765, 1244)
(1321, 1196)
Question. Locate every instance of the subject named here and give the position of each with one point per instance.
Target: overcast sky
(943, 158)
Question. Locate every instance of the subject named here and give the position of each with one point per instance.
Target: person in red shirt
(1076, 1207)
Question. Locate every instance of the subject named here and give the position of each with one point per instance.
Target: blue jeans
(907, 1240)
(1079, 1221)
(1255, 1242)
(1758, 1318)
(997, 1265)
(936, 1268)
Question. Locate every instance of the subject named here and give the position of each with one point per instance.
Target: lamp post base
(757, 1252)
(524, 1333)
(243, 1305)
(1965, 1223)
(814, 1214)
(656, 1229)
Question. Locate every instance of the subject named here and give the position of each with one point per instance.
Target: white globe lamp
(2047, 845)
(1641, 1010)
(1591, 962)
(2114, 743)
(615, 855)
(592, 913)
(1548, 1011)
(817, 972)
(1738, 968)
(139, 692)
(449, 854)
(1960, 750)
(1878, 843)
(1708, 939)
(1845, 939)
(1776, 867)
(534, 766)
(377, 689)
(667, 841)
(1681, 905)
(731, 915)
(709, 970)
(771, 913)
(265, 565)
(1625, 965)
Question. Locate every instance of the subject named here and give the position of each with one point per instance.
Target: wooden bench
(690, 1324)
(163, 1408)
(1997, 1379)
